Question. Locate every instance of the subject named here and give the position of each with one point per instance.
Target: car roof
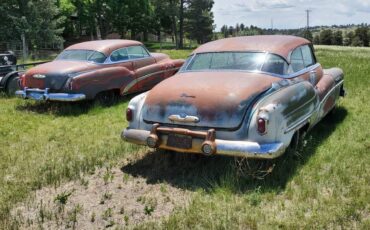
(104, 46)
(278, 44)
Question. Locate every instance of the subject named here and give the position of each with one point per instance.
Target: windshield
(82, 55)
(249, 61)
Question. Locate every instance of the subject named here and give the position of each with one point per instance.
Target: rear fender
(286, 110)
(329, 89)
(93, 82)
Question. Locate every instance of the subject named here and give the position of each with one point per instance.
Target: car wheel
(107, 98)
(12, 86)
(297, 142)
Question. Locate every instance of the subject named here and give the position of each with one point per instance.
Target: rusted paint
(217, 102)
(104, 46)
(278, 44)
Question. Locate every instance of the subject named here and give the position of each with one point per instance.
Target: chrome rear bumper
(245, 149)
(44, 95)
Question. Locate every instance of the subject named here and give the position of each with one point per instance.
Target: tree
(362, 34)
(347, 40)
(316, 39)
(356, 41)
(326, 37)
(200, 20)
(307, 34)
(38, 21)
(224, 31)
(231, 30)
(338, 38)
(242, 27)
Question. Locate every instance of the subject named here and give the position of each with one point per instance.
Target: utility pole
(308, 19)
(272, 24)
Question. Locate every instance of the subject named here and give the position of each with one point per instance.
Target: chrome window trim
(284, 76)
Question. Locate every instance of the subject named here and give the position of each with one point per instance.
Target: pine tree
(200, 20)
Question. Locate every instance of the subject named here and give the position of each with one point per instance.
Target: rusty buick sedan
(249, 97)
(92, 69)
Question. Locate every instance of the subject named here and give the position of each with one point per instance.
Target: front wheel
(107, 98)
(12, 86)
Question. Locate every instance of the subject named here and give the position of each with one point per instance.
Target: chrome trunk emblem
(183, 118)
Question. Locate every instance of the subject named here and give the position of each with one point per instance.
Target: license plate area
(179, 141)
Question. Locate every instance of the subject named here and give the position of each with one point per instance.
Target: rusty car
(250, 97)
(104, 69)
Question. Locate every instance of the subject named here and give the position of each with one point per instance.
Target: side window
(135, 52)
(296, 61)
(274, 64)
(307, 56)
(119, 55)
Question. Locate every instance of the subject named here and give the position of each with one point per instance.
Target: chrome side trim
(137, 80)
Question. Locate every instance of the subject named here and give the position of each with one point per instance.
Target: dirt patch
(108, 198)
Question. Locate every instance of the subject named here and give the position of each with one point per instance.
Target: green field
(327, 186)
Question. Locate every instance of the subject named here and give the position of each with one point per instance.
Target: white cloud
(290, 13)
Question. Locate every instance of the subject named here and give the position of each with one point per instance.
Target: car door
(148, 73)
(120, 58)
(303, 62)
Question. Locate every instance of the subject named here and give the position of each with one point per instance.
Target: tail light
(261, 125)
(129, 114)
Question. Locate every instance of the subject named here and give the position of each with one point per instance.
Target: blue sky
(290, 13)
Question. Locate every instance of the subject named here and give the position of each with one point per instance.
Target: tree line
(40, 21)
(343, 35)
(359, 37)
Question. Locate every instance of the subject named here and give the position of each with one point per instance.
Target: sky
(290, 14)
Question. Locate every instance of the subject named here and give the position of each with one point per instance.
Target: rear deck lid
(205, 99)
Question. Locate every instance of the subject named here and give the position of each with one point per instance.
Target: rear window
(82, 55)
(249, 61)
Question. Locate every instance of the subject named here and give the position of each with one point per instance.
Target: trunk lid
(53, 75)
(205, 99)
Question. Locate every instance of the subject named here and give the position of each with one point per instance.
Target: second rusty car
(103, 68)
(249, 97)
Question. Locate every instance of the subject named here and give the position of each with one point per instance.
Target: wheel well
(9, 78)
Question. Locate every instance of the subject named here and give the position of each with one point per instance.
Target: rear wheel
(297, 142)
(12, 85)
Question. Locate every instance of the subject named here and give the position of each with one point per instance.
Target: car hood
(56, 73)
(216, 99)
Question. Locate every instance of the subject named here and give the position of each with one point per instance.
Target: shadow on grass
(193, 172)
(66, 108)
